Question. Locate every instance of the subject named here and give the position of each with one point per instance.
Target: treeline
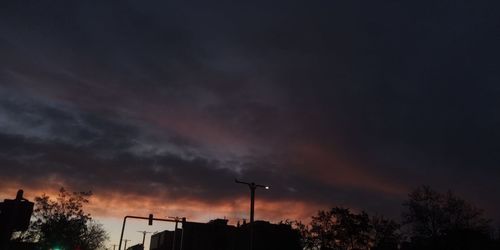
(61, 223)
(430, 221)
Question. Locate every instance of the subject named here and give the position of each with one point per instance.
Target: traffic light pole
(150, 219)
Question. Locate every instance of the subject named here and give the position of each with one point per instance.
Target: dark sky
(350, 103)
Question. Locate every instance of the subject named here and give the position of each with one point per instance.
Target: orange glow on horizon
(117, 205)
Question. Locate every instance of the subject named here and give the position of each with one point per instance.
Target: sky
(157, 106)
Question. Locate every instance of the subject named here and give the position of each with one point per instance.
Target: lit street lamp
(252, 187)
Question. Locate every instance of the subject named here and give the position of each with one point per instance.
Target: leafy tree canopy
(63, 224)
(341, 229)
(442, 221)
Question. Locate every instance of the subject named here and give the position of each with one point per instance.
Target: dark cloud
(349, 102)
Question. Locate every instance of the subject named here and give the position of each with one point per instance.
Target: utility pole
(252, 187)
(182, 234)
(176, 218)
(125, 247)
(143, 236)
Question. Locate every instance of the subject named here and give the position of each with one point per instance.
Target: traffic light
(16, 213)
(150, 222)
(21, 213)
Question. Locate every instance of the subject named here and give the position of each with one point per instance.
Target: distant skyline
(156, 106)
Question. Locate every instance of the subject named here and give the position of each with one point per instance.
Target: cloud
(328, 102)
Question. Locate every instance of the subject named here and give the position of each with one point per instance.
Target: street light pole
(252, 187)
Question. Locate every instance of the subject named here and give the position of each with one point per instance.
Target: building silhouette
(218, 235)
(136, 247)
(267, 236)
(164, 240)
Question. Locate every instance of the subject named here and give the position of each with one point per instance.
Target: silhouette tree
(303, 231)
(432, 221)
(443, 221)
(62, 223)
(386, 233)
(340, 229)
